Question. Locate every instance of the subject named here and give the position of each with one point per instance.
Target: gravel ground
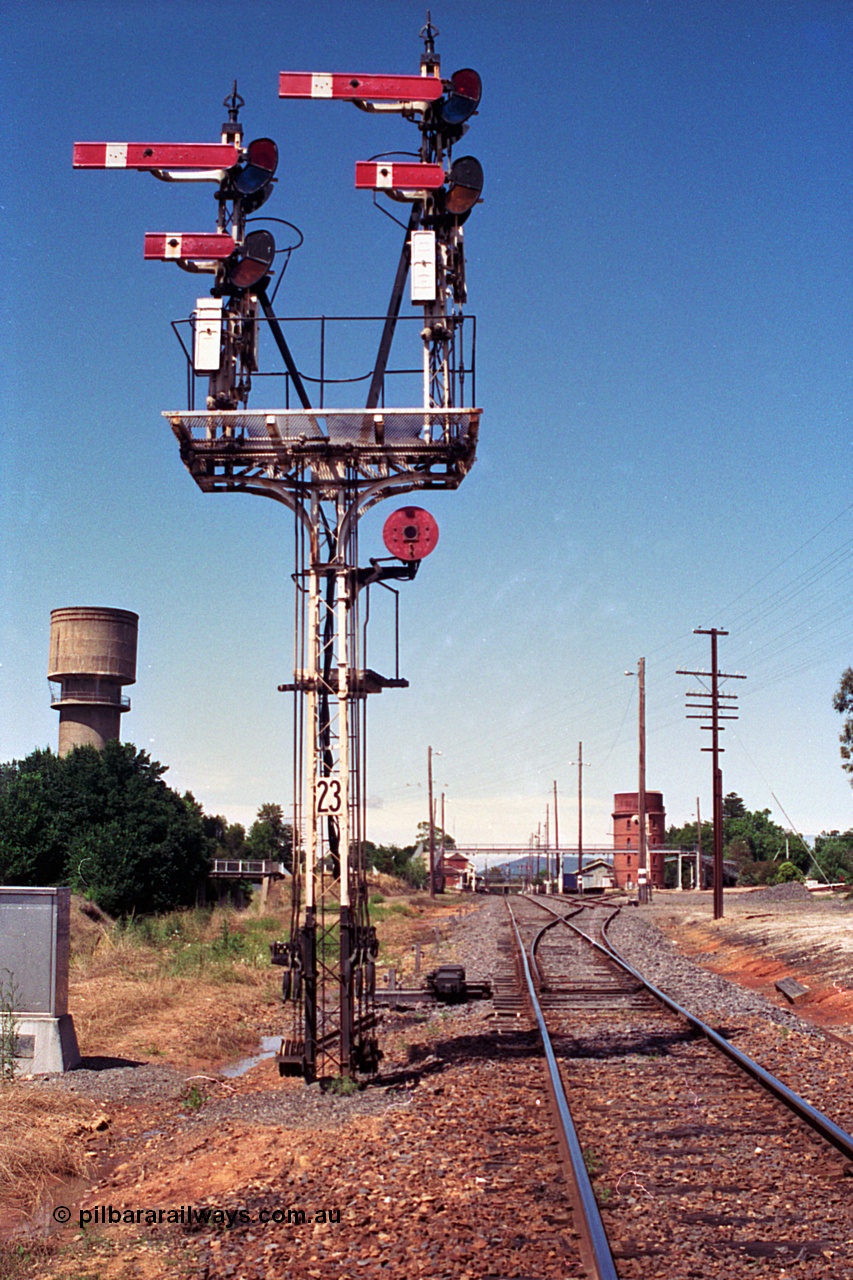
(445, 1167)
(423, 1160)
(813, 1063)
(133, 1083)
(470, 938)
(704, 994)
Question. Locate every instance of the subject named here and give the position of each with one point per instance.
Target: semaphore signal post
(329, 465)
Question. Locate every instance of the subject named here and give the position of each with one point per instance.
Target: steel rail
(594, 1245)
(816, 1120)
(535, 944)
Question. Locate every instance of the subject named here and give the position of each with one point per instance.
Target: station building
(458, 871)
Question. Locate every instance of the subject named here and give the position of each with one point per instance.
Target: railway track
(687, 1160)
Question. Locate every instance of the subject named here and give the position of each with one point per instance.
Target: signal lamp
(466, 90)
(410, 533)
(251, 181)
(465, 182)
(252, 260)
(261, 164)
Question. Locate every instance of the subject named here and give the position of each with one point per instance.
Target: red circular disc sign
(410, 533)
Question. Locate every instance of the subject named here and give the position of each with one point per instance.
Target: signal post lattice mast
(329, 466)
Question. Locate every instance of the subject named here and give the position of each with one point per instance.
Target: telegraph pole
(580, 810)
(644, 890)
(442, 834)
(698, 845)
(709, 709)
(580, 766)
(431, 826)
(645, 885)
(558, 870)
(547, 842)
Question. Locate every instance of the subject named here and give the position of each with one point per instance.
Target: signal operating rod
(281, 343)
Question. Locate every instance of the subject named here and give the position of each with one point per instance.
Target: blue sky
(661, 271)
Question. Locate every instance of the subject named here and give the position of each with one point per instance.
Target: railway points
(717, 1164)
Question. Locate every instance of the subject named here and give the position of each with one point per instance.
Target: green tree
(105, 823)
(214, 826)
(392, 860)
(33, 842)
(750, 838)
(834, 855)
(233, 840)
(686, 837)
(270, 838)
(843, 703)
(414, 871)
(787, 871)
(423, 836)
(754, 837)
(733, 806)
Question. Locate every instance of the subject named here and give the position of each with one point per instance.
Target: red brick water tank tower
(626, 838)
(92, 656)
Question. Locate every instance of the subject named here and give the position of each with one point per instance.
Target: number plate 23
(329, 798)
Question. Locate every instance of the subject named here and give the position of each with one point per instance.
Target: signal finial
(233, 101)
(430, 61)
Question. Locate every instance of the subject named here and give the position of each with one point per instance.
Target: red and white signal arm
(155, 155)
(383, 176)
(410, 533)
(358, 88)
(172, 246)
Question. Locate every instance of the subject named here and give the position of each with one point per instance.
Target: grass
(185, 986)
(379, 911)
(195, 1098)
(18, 1261)
(204, 940)
(42, 1138)
(343, 1086)
(193, 986)
(8, 1027)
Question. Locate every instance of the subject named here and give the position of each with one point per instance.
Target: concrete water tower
(92, 655)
